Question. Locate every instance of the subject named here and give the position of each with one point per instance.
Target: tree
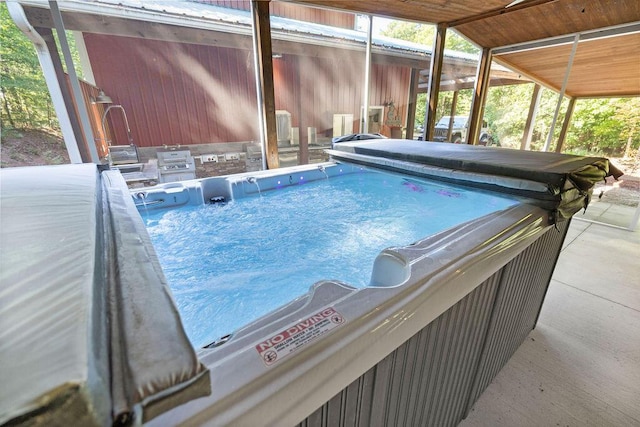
(424, 34)
(506, 112)
(628, 113)
(26, 103)
(606, 126)
(25, 99)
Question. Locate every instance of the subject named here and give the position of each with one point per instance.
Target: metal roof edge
(239, 22)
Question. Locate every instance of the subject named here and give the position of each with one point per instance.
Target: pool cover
(560, 183)
(89, 333)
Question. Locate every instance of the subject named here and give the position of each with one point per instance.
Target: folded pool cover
(560, 183)
(90, 333)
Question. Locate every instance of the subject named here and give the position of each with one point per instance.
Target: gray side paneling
(435, 377)
(524, 284)
(426, 380)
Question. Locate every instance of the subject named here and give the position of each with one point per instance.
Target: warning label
(291, 339)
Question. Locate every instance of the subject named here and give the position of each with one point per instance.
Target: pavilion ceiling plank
(550, 20)
(602, 67)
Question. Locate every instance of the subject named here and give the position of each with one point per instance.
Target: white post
(259, 90)
(367, 78)
(562, 91)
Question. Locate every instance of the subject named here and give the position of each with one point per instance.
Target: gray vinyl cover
(568, 180)
(88, 327)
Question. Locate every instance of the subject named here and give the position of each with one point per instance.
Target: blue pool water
(228, 265)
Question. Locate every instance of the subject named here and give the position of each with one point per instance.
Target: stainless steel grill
(175, 165)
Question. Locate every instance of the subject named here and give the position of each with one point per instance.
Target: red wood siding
(312, 14)
(176, 93)
(390, 83)
(313, 89)
(294, 11)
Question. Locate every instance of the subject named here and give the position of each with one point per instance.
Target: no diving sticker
(291, 339)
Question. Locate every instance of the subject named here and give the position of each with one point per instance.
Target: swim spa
(239, 260)
(445, 311)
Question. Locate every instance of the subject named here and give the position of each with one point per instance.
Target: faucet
(141, 195)
(321, 168)
(251, 179)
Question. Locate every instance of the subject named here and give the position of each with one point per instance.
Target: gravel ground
(625, 191)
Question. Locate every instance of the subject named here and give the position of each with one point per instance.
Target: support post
(81, 108)
(547, 144)
(413, 100)
(367, 80)
(452, 114)
(435, 74)
(531, 118)
(565, 124)
(263, 63)
(47, 36)
(479, 97)
(304, 140)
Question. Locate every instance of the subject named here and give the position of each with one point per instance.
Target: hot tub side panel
(436, 376)
(518, 304)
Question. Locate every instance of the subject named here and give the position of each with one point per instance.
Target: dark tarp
(567, 180)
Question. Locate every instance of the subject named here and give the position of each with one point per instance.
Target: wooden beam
(413, 101)
(366, 92)
(499, 11)
(264, 81)
(76, 91)
(479, 97)
(47, 36)
(302, 129)
(565, 124)
(531, 117)
(434, 81)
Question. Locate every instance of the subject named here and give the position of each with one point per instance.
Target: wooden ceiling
(602, 67)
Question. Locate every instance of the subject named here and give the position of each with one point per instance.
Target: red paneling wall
(390, 84)
(176, 93)
(294, 11)
(312, 89)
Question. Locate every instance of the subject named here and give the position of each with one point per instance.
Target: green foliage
(598, 126)
(457, 43)
(25, 99)
(605, 125)
(506, 112)
(425, 34)
(23, 92)
(463, 104)
(418, 33)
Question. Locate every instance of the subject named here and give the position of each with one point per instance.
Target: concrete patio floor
(580, 366)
